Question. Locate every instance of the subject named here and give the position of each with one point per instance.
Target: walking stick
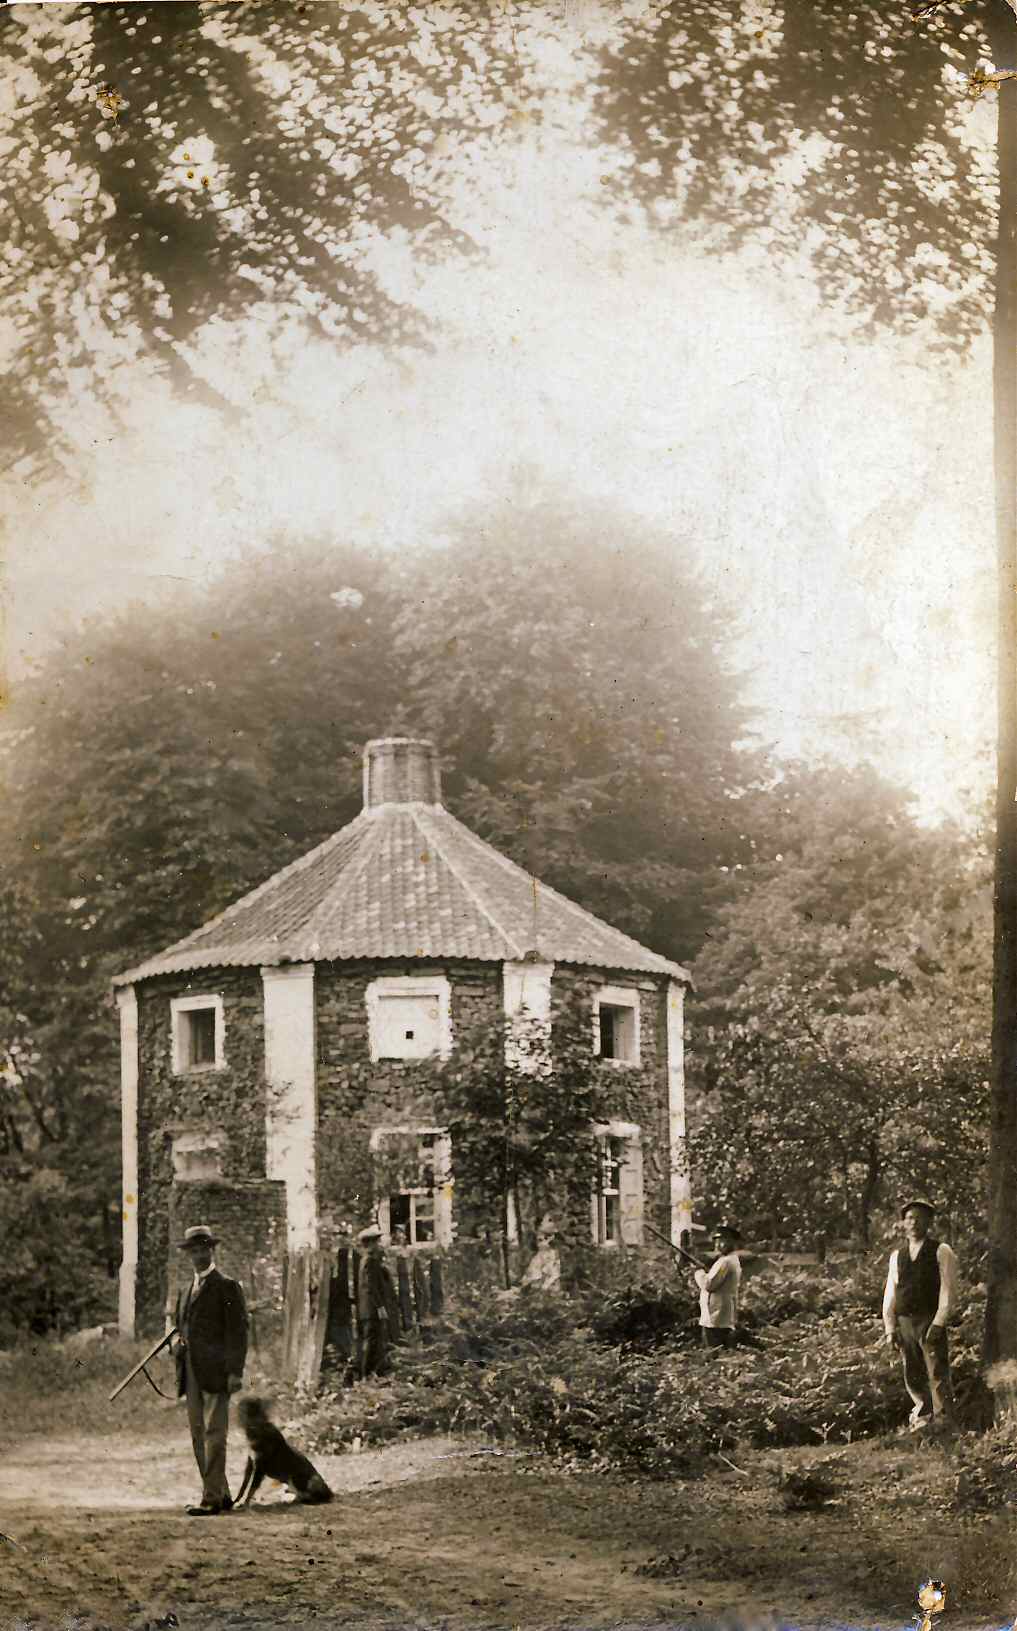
(140, 1368)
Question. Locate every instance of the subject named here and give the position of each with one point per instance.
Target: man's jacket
(213, 1323)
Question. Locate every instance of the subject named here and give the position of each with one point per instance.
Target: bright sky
(838, 490)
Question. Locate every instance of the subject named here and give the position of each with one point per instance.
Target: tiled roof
(404, 880)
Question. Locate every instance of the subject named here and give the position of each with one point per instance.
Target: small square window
(199, 1036)
(617, 1027)
(408, 1018)
(197, 1033)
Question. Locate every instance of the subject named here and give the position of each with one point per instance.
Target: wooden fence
(321, 1328)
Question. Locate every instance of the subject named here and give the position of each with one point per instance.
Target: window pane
(201, 1036)
(399, 1213)
(607, 1032)
(617, 1032)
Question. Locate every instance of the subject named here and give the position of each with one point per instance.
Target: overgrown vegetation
(582, 1380)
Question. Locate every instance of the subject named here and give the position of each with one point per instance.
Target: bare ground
(444, 1534)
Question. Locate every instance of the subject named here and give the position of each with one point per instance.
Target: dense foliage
(543, 1372)
(835, 135)
(845, 992)
(170, 166)
(155, 768)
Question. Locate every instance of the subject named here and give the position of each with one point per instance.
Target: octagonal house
(241, 1044)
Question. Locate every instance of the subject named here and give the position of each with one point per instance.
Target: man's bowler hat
(372, 1232)
(199, 1232)
(917, 1201)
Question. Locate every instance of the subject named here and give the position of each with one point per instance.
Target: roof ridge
(260, 889)
(357, 864)
(581, 911)
(463, 883)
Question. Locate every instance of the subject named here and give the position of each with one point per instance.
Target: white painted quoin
(681, 1193)
(291, 1099)
(365, 953)
(127, 1003)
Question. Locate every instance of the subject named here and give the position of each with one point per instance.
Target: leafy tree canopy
(167, 165)
(845, 995)
(837, 134)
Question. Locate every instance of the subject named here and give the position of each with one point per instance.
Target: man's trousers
(926, 1360)
(209, 1417)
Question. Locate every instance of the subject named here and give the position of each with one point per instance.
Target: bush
(540, 1371)
(616, 1379)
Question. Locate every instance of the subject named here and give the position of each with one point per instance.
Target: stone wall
(250, 1220)
(228, 1102)
(642, 1095)
(356, 1095)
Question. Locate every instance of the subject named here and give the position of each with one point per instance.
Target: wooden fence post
(437, 1288)
(405, 1293)
(339, 1335)
(421, 1292)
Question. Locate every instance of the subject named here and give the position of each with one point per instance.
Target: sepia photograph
(508, 864)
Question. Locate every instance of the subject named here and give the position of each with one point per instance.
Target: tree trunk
(1001, 1306)
(867, 1199)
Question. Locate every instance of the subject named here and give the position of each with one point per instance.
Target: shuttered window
(617, 1202)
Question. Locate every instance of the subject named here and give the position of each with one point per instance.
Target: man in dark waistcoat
(211, 1352)
(920, 1295)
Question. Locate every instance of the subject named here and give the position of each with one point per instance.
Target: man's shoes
(206, 1511)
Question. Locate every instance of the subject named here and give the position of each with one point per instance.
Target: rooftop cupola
(401, 770)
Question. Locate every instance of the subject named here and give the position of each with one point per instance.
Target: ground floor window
(413, 1185)
(617, 1205)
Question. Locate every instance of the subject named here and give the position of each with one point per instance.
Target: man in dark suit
(376, 1295)
(211, 1352)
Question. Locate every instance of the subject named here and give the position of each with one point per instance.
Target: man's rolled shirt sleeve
(946, 1257)
(890, 1295)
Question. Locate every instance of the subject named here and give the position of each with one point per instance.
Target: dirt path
(429, 1533)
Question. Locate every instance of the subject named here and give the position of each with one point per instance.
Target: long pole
(1000, 1340)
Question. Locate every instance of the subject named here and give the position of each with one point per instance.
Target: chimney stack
(401, 770)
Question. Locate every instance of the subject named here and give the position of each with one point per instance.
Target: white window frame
(179, 1007)
(618, 996)
(630, 1225)
(410, 985)
(442, 1191)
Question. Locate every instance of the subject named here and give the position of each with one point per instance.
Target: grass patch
(49, 1388)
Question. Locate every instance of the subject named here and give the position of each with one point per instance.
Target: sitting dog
(272, 1457)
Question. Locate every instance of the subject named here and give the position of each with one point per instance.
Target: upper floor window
(616, 1024)
(409, 1017)
(199, 1033)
